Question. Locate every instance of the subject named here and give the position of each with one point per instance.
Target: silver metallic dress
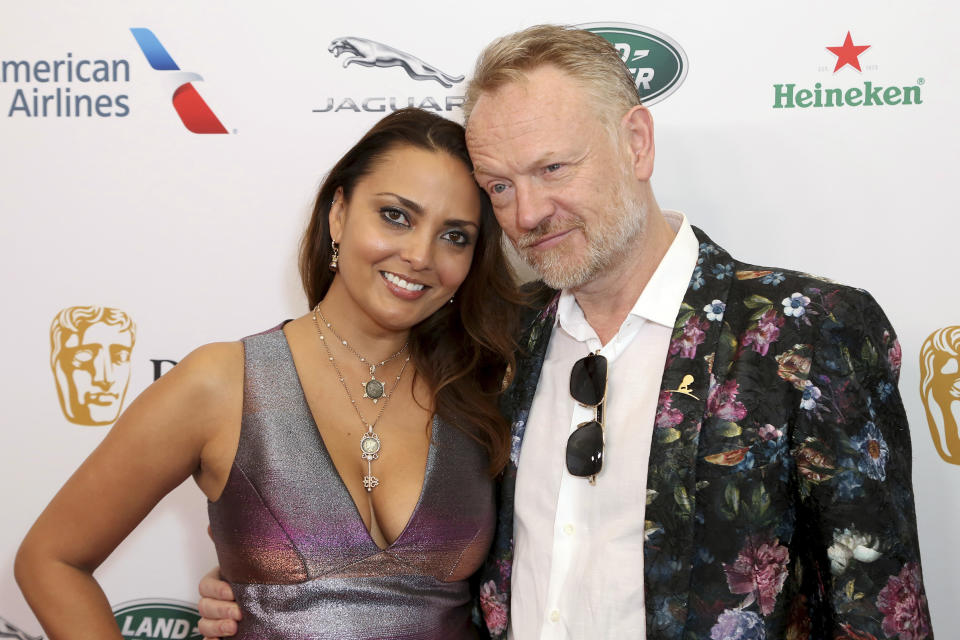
(294, 547)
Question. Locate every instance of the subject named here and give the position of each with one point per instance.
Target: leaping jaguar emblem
(376, 54)
(8, 630)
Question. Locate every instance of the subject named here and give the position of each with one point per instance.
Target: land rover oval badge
(657, 62)
(153, 619)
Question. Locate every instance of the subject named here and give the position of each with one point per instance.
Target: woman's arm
(187, 422)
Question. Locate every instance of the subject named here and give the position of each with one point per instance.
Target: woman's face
(407, 235)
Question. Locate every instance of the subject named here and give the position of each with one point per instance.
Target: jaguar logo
(368, 53)
(8, 630)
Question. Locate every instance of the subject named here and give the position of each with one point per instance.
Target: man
(90, 358)
(751, 421)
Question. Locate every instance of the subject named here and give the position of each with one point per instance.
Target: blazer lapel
(671, 479)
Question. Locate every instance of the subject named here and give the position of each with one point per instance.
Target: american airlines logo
(194, 112)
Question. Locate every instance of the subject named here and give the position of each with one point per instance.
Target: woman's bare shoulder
(209, 370)
(202, 393)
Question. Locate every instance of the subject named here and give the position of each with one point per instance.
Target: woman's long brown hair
(464, 349)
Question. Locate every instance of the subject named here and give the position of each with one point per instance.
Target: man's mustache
(547, 227)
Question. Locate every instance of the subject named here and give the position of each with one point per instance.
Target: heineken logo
(657, 62)
(848, 54)
(150, 619)
(869, 93)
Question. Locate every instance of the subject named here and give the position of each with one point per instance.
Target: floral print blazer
(779, 498)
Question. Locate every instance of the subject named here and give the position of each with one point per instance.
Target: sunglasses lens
(585, 449)
(588, 380)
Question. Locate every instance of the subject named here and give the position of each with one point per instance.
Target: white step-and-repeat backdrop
(158, 159)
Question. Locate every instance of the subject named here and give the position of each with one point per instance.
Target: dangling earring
(335, 257)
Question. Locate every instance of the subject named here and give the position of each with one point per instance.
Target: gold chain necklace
(369, 441)
(373, 389)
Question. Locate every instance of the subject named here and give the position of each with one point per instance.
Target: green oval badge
(154, 619)
(657, 62)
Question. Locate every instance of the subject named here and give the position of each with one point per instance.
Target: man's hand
(218, 610)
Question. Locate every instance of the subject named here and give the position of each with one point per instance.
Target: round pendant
(373, 389)
(370, 446)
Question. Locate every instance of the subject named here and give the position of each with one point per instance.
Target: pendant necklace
(369, 441)
(373, 389)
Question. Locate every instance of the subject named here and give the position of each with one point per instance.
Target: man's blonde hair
(584, 56)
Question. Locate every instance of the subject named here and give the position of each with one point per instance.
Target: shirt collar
(662, 296)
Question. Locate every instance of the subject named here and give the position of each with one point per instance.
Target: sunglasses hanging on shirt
(588, 386)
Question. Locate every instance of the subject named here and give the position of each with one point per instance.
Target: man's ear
(338, 211)
(637, 126)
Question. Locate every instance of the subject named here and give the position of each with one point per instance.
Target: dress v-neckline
(431, 455)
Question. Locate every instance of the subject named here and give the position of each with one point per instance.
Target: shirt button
(568, 529)
(554, 616)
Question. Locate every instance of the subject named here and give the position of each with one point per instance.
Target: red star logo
(848, 54)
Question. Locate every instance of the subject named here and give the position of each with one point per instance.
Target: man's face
(96, 362)
(561, 186)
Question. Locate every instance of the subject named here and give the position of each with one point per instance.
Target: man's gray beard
(607, 246)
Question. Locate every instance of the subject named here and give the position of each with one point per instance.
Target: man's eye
(550, 168)
(394, 216)
(498, 188)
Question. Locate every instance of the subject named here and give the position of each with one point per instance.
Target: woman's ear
(338, 212)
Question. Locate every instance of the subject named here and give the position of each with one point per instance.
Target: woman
(348, 454)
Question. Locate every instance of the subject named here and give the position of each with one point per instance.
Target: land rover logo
(657, 62)
(167, 619)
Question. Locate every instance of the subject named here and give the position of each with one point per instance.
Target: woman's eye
(394, 216)
(458, 238)
(550, 168)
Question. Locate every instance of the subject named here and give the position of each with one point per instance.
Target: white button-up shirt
(578, 555)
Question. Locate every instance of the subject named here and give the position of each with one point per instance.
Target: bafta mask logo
(940, 390)
(90, 357)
